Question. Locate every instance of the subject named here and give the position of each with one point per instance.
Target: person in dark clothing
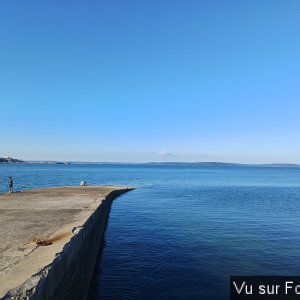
(11, 184)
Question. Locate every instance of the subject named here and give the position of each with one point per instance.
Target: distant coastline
(10, 160)
(224, 164)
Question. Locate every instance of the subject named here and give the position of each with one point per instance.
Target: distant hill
(223, 164)
(7, 160)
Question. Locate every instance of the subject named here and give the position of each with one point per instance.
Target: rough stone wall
(76, 281)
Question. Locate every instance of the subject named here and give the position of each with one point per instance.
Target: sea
(185, 229)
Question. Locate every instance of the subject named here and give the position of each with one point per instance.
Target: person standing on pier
(11, 184)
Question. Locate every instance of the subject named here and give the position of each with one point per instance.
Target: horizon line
(155, 162)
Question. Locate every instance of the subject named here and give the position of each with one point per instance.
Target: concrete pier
(49, 240)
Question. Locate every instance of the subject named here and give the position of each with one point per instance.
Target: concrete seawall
(50, 239)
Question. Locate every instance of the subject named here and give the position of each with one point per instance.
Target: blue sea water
(185, 229)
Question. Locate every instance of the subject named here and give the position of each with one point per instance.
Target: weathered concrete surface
(73, 219)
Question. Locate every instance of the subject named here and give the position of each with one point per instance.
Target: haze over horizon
(157, 81)
(138, 160)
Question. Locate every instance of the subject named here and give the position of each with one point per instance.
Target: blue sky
(150, 80)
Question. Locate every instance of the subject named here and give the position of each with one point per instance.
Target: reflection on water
(185, 230)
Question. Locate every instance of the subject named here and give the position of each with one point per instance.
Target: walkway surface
(35, 217)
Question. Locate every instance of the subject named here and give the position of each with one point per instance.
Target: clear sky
(159, 80)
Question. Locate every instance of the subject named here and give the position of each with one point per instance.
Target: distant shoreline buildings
(7, 160)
